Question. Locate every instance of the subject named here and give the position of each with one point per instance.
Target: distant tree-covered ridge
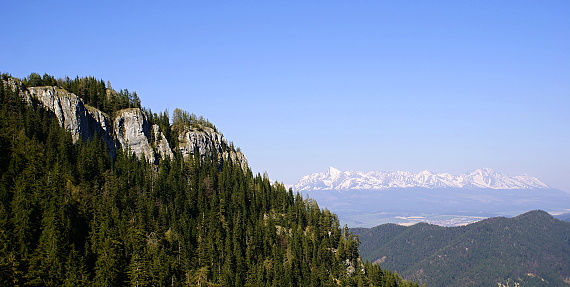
(73, 214)
(532, 249)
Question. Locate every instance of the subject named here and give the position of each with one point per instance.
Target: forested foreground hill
(532, 249)
(86, 211)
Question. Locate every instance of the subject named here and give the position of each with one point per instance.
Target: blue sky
(448, 86)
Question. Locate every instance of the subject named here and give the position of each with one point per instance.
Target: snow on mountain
(334, 179)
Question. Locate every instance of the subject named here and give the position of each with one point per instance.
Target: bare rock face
(238, 157)
(200, 141)
(132, 131)
(68, 108)
(161, 144)
(84, 122)
(101, 123)
(203, 141)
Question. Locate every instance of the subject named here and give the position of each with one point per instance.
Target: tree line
(93, 92)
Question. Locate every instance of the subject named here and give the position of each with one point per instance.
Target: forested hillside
(74, 214)
(532, 249)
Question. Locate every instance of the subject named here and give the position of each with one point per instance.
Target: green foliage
(531, 249)
(162, 119)
(92, 91)
(71, 215)
(182, 118)
(35, 80)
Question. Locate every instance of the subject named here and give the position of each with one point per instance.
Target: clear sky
(448, 86)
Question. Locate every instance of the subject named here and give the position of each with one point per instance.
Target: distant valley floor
(357, 219)
(368, 208)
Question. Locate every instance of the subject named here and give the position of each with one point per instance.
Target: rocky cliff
(204, 140)
(128, 129)
(133, 131)
(83, 121)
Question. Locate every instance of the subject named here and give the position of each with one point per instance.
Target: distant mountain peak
(537, 213)
(334, 172)
(334, 179)
(481, 171)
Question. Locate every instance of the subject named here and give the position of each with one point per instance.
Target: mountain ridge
(529, 249)
(129, 129)
(334, 179)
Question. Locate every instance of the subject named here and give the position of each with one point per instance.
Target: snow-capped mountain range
(486, 178)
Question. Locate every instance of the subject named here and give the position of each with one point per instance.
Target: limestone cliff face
(132, 130)
(204, 140)
(103, 126)
(129, 129)
(135, 133)
(82, 121)
(161, 144)
(68, 108)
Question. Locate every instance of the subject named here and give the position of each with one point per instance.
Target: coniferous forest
(73, 215)
(532, 249)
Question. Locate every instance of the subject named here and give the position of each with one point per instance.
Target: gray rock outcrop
(84, 122)
(132, 131)
(103, 126)
(68, 109)
(204, 140)
(129, 129)
(161, 144)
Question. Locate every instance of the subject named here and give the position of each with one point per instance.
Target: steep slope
(72, 215)
(531, 249)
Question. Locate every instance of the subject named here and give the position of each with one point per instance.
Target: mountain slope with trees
(75, 214)
(532, 249)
